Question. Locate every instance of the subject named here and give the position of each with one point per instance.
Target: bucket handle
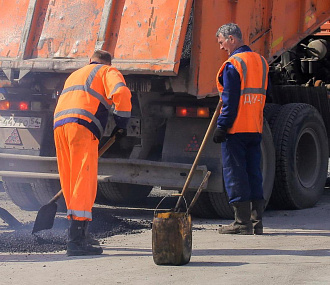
(192, 203)
(161, 201)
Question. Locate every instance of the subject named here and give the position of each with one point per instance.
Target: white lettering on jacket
(253, 98)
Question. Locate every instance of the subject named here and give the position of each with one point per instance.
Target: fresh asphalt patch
(104, 225)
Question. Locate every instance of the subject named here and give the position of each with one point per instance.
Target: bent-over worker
(242, 82)
(80, 118)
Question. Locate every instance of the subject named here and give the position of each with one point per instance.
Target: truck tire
(21, 194)
(271, 111)
(100, 199)
(45, 189)
(327, 183)
(268, 162)
(123, 193)
(301, 145)
(220, 201)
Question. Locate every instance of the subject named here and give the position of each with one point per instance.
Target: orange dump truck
(168, 53)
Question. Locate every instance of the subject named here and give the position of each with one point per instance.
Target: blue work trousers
(241, 157)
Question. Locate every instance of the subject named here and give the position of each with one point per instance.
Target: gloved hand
(219, 135)
(119, 133)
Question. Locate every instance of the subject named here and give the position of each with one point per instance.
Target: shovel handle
(171, 210)
(207, 134)
(105, 147)
(56, 197)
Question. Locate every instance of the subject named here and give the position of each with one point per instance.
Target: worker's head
(101, 56)
(229, 37)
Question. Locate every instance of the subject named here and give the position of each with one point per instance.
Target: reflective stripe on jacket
(88, 95)
(253, 71)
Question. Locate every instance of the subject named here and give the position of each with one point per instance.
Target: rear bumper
(169, 175)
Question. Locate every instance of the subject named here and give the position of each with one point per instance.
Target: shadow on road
(261, 251)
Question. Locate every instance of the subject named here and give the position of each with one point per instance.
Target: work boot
(77, 244)
(89, 238)
(242, 224)
(92, 241)
(258, 207)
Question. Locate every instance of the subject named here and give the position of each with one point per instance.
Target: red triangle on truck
(14, 138)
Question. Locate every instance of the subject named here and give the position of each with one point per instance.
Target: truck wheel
(220, 203)
(271, 111)
(220, 200)
(100, 199)
(45, 189)
(300, 141)
(268, 162)
(327, 183)
(124, 193)
(21, 194)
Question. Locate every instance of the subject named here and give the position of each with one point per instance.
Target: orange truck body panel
(147, 37)
(142, 36)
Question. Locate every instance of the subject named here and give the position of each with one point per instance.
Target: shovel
(46, 215)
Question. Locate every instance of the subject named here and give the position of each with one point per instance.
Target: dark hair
(102, 56)
(230, 29)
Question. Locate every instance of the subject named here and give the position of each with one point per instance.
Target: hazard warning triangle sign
(193, 145)
(14, 138)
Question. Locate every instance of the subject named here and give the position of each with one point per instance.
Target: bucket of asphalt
(172, 231)
(171, 238)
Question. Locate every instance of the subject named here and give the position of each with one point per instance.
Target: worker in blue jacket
(242, 82)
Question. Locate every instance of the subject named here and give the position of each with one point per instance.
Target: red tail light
(181, 112)
(201, 112)
(23, 106)
(15, 106)
(4, 105)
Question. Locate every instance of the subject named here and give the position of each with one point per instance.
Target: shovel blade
(45, 217)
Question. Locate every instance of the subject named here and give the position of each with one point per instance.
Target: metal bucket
(172, 232)
(171, 238)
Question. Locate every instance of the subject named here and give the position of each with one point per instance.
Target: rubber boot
(258, 207)
(77, 244)
(242, 224)
(89, 238)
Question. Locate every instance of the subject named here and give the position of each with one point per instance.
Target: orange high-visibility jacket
(88, 95)
(253, 72)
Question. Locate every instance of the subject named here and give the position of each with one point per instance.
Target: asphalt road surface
(295, 249)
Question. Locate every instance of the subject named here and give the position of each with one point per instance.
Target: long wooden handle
(192, 170)
(105, 147)
(102, 150)
(201, 187)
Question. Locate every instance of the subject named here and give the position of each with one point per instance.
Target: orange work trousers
(77, 159)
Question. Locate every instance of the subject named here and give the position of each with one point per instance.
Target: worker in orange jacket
(242, 82)
(80, 118)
